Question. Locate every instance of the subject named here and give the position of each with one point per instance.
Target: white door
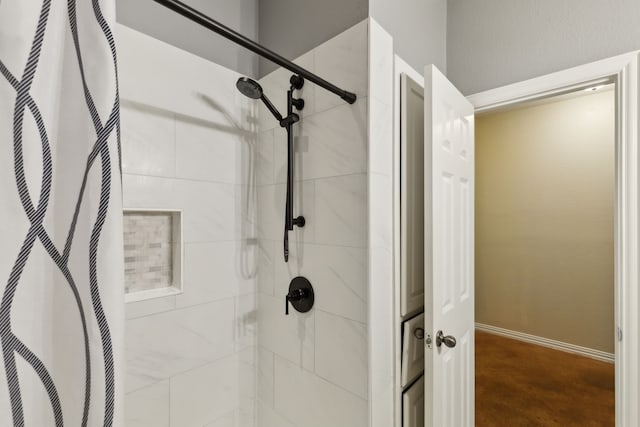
(449, 241)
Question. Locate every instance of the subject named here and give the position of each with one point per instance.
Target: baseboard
(546, 342)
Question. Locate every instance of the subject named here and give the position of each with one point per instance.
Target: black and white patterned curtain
(61, 257)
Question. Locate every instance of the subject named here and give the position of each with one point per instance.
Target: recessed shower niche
(152, 253)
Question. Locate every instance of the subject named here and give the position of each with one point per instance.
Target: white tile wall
(206, 393)
(341, 211)
(330, 143)
(271, 205)
(268, 417)
(338, 275)
(197, 351)
(214, 271)
(266, 361)
(343, 60)
(209, 208)
(191, 357)
(148, 407)
(341, 352)
(310, 401)
(264, 158)
(380, 206)
(163, 345)
(313, 367)
(266, 266)
(218, 152)
(148, 140)
(291, 337)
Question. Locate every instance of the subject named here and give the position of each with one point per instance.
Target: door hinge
(619, 334)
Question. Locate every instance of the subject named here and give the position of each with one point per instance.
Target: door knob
(448, 340)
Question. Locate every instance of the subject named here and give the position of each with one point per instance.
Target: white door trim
(623, 70)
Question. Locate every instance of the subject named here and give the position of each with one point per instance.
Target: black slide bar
(207, 22)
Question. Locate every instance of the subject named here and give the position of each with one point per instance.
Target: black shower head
(252, 89)
(249, 88)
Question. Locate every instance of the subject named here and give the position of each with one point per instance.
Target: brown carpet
(521, 384)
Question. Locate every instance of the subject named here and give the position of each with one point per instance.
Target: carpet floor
(520, 384)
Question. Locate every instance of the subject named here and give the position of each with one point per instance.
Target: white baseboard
(546, 342)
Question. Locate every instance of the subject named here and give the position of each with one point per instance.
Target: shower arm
(207, 22)
(271, 108)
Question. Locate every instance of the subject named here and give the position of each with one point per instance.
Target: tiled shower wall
(187, 144)
(313, 367)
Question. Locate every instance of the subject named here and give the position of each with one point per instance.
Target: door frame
(623, 71)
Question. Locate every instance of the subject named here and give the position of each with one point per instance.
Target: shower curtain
(61, 255)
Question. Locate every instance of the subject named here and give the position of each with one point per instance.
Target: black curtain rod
(207, 22)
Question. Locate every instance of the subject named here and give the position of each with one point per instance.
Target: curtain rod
(207, 22)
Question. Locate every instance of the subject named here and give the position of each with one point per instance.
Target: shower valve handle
(294, 295)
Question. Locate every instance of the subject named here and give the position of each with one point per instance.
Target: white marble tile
(381, 138)
(148, 140)
(206, 393)
(265, 375)
(271, 211)
(341, 210)
(268, 417)
(246, 318)
(266, 266)
(380, 210)
(338, 275)
(246, 414)
(264, 158)
(165, 344)
(341, 352)
(228, 420)
(211, 211)
(310, 401)
(381, 58)
(216, 270)
(155, 73)
(150, 306)
(382, 351)
(291, 336)
(275, 86)
(211, 151)
(330, 143)
(280, 149)
(343, 60)
(148, 407)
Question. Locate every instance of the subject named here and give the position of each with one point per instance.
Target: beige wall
(545, 220)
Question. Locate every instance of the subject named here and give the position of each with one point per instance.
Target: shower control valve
(300, 295)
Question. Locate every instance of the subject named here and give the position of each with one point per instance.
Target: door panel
(449, 288)
(412, 197)
(413, 405)
(412, 349)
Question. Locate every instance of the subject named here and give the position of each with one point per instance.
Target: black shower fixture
(252, 89)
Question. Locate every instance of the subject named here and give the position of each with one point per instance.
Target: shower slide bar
(207, 22)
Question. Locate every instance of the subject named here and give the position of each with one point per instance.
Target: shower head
(249, 88)
(252, 89)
